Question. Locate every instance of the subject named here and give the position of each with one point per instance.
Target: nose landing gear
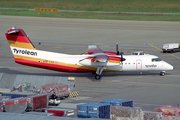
(162, 73)
(97, 77)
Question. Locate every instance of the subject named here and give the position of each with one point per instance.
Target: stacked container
(93, 110)
(119, 102)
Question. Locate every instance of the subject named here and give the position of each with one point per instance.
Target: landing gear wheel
(97, 77)
(162, 73)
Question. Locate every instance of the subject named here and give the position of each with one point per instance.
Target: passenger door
(138, 64)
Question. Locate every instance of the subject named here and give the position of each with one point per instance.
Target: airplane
(94, 60)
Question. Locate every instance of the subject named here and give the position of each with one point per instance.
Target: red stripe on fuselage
(114, 58)
(55, 67)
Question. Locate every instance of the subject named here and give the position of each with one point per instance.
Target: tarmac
(72, 36)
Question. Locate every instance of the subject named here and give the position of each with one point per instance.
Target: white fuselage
(132, 62)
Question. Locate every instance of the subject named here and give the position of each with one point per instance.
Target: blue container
(93, 110)
(119, 102)
(82, 110)
(18, 94)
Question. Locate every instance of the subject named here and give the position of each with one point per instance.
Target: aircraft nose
(171, 67)
(168, 66)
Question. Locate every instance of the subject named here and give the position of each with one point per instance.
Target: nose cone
(167, 66)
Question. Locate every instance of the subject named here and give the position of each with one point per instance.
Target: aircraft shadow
(89, 76)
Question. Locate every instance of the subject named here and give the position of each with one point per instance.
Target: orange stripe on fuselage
(21, 44)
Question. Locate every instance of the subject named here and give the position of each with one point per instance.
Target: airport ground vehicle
(171, 47)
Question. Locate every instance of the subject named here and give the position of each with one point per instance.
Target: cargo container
(19, 116)
(1, 107)
(119, 102)
(16, 105)
(61, 112)
(58, 89)
(38, 102)
(149, 115)
(39, 113)
(126, 113)
(5, 98)
(18, 94)
(82, 110)
(93, 110)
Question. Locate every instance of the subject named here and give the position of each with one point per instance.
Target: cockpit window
(135, 53)
(138, 53)
(141, 53)
(156, 59)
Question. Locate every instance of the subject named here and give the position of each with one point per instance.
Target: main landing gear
(162, 73)
(98, 73)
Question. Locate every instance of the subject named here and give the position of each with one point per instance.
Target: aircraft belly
(115, 68)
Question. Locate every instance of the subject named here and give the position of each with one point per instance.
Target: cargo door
(138, 64)
(104, 111)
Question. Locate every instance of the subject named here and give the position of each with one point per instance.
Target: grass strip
(91, 15)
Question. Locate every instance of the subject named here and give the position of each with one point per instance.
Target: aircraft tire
(162, 73)
(97, 77)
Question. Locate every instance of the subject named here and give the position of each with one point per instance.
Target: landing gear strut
(162, 73)
(98, 73)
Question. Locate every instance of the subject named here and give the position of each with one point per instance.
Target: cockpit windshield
(156, 59)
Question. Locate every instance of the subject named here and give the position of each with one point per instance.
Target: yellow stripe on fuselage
(21, 45)
(114, 61)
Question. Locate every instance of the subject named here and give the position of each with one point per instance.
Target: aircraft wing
(92, 49)
(99, 55)
(96, 56)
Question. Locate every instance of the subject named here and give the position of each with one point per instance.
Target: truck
(171, 47)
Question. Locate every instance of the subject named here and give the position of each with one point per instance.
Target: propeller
(117, 49)
(119, 53)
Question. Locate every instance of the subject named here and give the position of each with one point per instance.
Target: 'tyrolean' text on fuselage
(26, 52)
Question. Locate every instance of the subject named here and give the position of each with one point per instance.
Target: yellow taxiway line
(161, 50)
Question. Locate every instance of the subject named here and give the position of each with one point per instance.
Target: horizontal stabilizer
(13, 30)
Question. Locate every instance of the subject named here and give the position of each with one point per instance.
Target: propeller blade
(122, 59)
(119, 53)
(117, 49)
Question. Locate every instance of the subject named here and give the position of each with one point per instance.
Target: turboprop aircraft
(94, 60)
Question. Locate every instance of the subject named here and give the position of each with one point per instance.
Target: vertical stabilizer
(20, 44)
(18, 38)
